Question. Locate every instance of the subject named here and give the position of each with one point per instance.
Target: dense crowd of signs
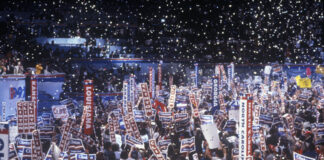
(73, 139)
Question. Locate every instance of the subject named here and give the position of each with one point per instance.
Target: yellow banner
(305, 83)
(297, 79)
(319, 70)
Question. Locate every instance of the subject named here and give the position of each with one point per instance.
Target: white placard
(210, 132)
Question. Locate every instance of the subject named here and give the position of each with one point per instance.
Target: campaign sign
(139, 116)
(206, 119)
(156, 151)
(4, 141)
(188, 145)
(215, 92)
(88, 107)
(301, 157)
(60, 112)
(85, 156)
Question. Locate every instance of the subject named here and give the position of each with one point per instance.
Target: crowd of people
(304, 105)
(252, 32)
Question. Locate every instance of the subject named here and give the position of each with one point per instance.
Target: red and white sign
(88, 107)
(65, 135)
(33, 93)
(160, 76)
(60, 112)
(146, 100)
(127, 125)
(116, 123)
(256, 116)
(26, 117)
(192, 99)
(31, 116)
(290, 123)
(4, 141)
(245, 129)
(112, 130)
(262, 141)
(20, 116)
(156, 151)
(136, 132)
(151, 87)
(130, 108)
(170, 80)
(36, 146)
(172, 97)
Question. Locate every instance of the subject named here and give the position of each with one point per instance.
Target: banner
(192, 99)
(46, 132)
(115, 120)
(263, 145)
(196, 75)
(12, 91)
(34, 92)
(188, 145)
(88, 107)
(156, 151)
(304, 82)
(215, 92)
(301, 157)
(27, 153)
(210, 132)
(132, 141)
(170, 80)
(60, 112)
(125, 89)
(75, 146)
(163, 144)
(21, 144)
(37, 153)
(173, 92)
(12, 152)
(127, 124)
(151, 85)
(3, 114)
(26, 117)
(139, 116)
(160, 76)
(20, 117)
(111, 130)
(135, 129)
(256, 115)
(32, 116)
(132, 85)
(245, 129)
(206, 119)
(289, 122)
(65, 135)
(165, 118)
(86, 139)
(4, 141)
(224, 78)
(146, 100)
(85, 156)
